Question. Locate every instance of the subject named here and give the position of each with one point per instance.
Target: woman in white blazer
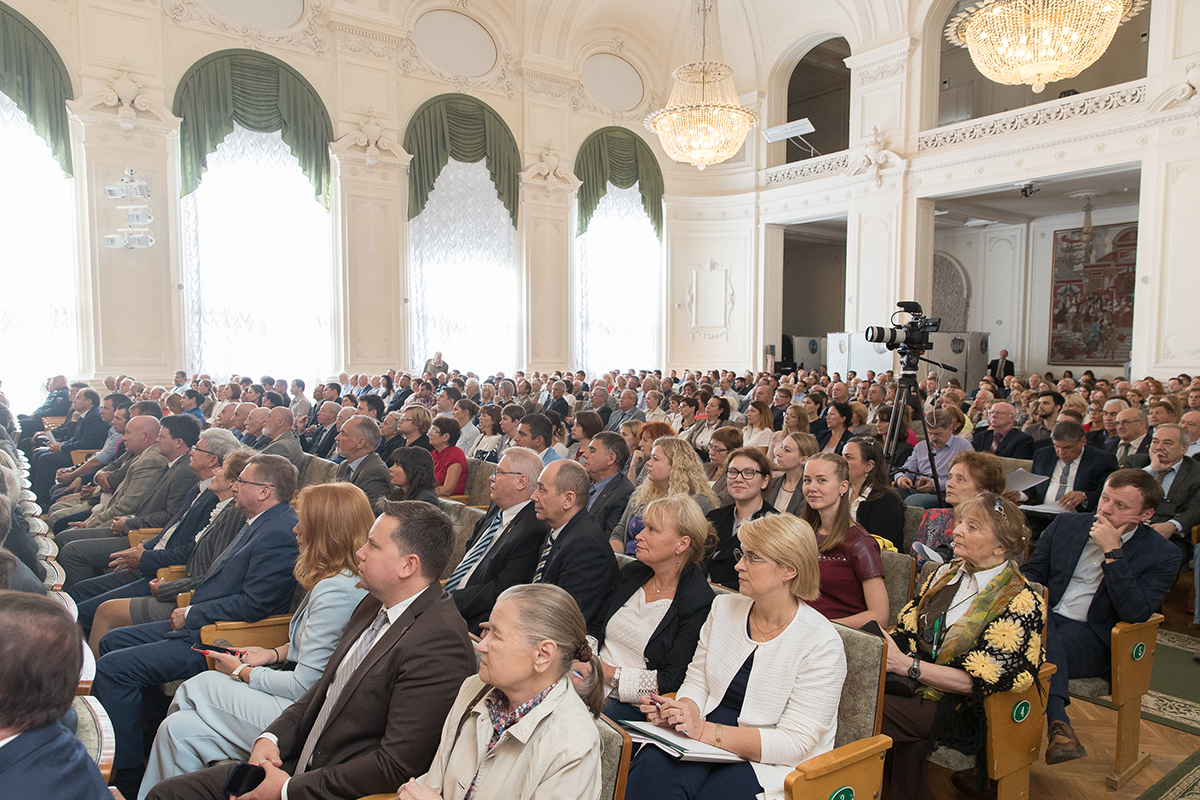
(218, 714)
(764, 683)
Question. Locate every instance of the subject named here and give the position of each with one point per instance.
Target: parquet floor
(1083, 779)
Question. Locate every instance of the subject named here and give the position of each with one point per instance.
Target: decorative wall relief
(951, 293)
(710, 300)
(1091, 307)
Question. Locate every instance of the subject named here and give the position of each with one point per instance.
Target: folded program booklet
(676, 744)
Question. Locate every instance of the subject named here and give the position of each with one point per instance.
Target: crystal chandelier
(703, 122)
(1038, 41)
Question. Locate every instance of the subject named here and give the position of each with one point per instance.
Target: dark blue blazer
(89, 435)
(49, 762)
(1132, 588)
(179, 547)
(57, 404)
(559, 407)
(582, 562)
(255, 580)
(1017, 444)
(824, 435)
(1094, 468)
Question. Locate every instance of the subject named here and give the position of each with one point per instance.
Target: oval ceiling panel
(265, 15)
(612, 82)
(455, 43)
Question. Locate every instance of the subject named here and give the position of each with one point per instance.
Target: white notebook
(676, 744)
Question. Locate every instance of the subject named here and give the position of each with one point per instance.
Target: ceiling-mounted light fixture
(136, 236)
(703, 123)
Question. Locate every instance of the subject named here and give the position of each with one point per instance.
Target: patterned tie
(541, 567)
(1123, 454)
(1062, 482)
(344, 671)
(1162, 476)
(472, 558)
(997, 438)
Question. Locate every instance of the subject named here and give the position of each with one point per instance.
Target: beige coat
(552, 753)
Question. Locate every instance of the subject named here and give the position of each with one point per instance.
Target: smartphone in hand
(244, 778)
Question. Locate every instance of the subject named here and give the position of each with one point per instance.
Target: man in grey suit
(88, 547)
(363, 467)
(1180, 479)
(373, 720)
(283, 442)
(627, 411)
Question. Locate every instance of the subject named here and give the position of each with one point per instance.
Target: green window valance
(36, 80)
(460, 127)
(260, 93)
(622, 157)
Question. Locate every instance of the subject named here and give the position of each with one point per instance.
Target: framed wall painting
(1091, 307)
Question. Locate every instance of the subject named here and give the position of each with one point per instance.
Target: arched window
(463, 195)
(258, 258)
(819, 91)
(618, 252)
(38, 316)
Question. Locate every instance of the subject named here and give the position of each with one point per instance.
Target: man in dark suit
(627, 411)
(609, 493)
(363, 467)
(576, 555)
(403, 392)
(503, 550)
(1131, 440)
(56, 404)
(89, 434)
(1000, 368)
(318, 440)
(1100, 569)
(598, 402)
(252, 579)
(1000, 437)
(1180, 478)
(40, 659)
(374, 718)
(557, 402)
(280, 439)
(1077, 472)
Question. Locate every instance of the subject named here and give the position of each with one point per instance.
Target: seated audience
(449, 462)
(389, 435)
(414, 425)
(280, 440)
(716, 411)
(787, 491)
(413, 475)
(489, 433)
(647, 633)
(650, 433)
(356, 443)
(973, 629)
(464, 412)
(673, 468)
(41, 655)
(970, 474)
(795, 420)
(533, 636)
(766, 636)
(405, 641)
(536, 432)
(586, 425)
(749, 474)
(1001, 437)
(906, 438)
(759, 426)
(837, 431)
(852, 589)
(915, 480)
(609, 493)
(1179, 511)
(724, 441)
(874, 504)
(214, 718)
(504, 547)
(1077, 472)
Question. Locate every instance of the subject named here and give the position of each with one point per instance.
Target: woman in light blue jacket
(219, 714)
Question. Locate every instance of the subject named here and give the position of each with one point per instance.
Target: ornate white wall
(723, 247)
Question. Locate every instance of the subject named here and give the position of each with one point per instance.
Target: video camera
(911, 337)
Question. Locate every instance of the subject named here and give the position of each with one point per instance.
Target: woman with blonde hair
(534, 635)
(795, 420)
(631, 432)
(767, 637)
(654, 409)
(214, 718)
(647, 632)
(759, 426)
(673, 468)
(651, 432)
(786, 493)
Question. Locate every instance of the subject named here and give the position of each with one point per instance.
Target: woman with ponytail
(519, 729)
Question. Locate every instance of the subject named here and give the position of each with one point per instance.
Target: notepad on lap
(676, 744)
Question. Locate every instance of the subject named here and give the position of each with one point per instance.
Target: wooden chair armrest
(140, 535)
(1015, 722)
(173, 572)
(858, 765)
(88, 673)
(80, 456)
(459, 498)
(1133, 646)
(267, 632)
(108, 739)
(387, 796)
(183, 599)
(1195, 534)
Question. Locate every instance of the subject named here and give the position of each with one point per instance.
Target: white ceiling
(1120, 185)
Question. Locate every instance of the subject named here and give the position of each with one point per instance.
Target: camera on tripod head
(911, 337)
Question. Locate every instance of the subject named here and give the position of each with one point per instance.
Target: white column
(547, 334)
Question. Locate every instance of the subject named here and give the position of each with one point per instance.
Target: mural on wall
(1091, 313)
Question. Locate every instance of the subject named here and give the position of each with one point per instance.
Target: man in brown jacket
(374, 719)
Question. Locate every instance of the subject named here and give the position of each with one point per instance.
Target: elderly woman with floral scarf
(973, 629)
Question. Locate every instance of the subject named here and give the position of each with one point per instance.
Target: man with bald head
(226, 417)
(255, 437)
(627, 411)
(240, 416)
(1001, 437)
(319, 440)
(575, 555)
(1191, 424)
(281, 441)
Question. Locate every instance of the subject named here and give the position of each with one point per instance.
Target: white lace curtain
(463, 274)
(619, 285)
(258, 264)
(38, 312)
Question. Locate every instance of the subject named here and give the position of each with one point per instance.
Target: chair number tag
(1139, 650)
(1020, 711)
(844, 793)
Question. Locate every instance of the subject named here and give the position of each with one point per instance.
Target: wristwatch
(616, 678)
(914, 671)
(1115, 554)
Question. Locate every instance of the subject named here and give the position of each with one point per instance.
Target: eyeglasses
(253, 483)
(752, 557)
(716, 448)
(197, 448)
(496, 472)
(744, 474)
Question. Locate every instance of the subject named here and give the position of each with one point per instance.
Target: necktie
(344, 671)
(1062, 482)
(1162, 476)
(472, 558)
(545, 556)
(592, 495)
(1123, 454)
(996, 439)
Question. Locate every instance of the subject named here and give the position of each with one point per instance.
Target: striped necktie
(545, 556)
(1162, 476)
(1063, 486)
(472, 558)
(344, 671)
